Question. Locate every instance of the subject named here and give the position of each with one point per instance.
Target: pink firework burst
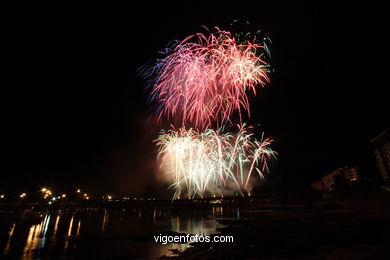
(205, 79)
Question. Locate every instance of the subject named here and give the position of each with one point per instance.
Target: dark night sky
(75, 110)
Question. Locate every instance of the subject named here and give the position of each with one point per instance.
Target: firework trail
(205, 78)
(198, 161)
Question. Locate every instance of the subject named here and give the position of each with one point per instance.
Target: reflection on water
(104, 220)
(10, 233)
(56, 225)
(78, 228)
(105, 233)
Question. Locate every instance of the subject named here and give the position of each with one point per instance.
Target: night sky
(75, 111)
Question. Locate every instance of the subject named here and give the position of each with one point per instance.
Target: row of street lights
(47, 193)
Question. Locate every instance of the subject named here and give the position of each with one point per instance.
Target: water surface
(123, 233)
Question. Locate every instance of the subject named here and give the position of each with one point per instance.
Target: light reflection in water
(58, 233)
(70, 226)
(10, 234)
(44, 231)
(32, 239)
(78, 228)
(69, 233)
(196, 225)
(105, 219)
(56, 226)
(53, 239)
(176, 224)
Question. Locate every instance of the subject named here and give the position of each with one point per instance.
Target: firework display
(201, 83)
(205, 79)
(195, 160)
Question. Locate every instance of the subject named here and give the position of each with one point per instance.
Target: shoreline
(300, 234)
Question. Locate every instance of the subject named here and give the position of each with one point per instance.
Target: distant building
(381, 146)
(329, 181)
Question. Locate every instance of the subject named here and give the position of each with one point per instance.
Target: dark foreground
(301, 234)
(258, 234)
